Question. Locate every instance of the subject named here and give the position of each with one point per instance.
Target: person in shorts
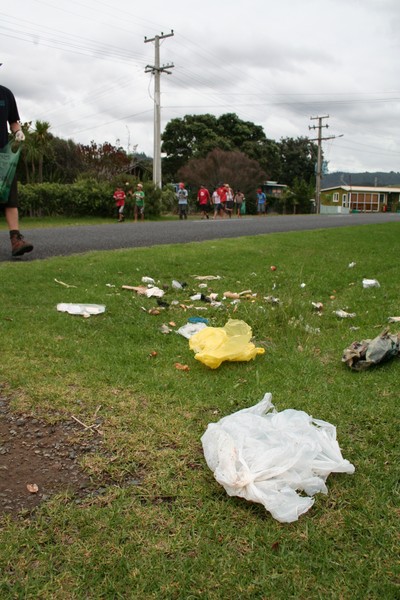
(229, 204)
(139, 202)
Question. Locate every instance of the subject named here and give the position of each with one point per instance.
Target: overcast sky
(80, 65)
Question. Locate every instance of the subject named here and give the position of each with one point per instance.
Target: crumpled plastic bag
(214, 345)
(265, 456)
(367, 353)
(84, 310)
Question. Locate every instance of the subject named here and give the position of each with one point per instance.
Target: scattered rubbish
(264, 456)
(273, 268)
(318, 306)
(181, 367)
(272, 300)
(190, 329)
(237, 295)
(154, 311)
(343, 314)
(394, 320)
(352, 264)
(165, 329)
(162, 303)
(153, 354)
(214, 345)
(139, 289)
(84, 310)
(206, 277)
(202, 286)
(367, 283)
(33, 488)
(67, 285)
(367, 353)
(110, 285)
(302, 285)
(172, 324)
(332, 297)
(198, 320)
(148, 280)
(200, 297)
(177, 285)
(154, 292)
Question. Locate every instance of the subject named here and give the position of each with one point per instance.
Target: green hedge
(83, 198)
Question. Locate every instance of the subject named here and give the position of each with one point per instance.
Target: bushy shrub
(86, 197)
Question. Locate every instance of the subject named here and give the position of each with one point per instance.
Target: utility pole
(319, 159)
(156, 70)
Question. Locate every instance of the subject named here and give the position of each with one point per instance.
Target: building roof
(361, 188)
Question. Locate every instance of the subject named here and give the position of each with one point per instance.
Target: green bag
(8, 166)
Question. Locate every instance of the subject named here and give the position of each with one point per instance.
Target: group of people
(223, 202)
(137, 196)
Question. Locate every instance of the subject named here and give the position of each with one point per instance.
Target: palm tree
(42, 144)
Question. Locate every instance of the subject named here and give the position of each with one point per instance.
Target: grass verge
(176, 534)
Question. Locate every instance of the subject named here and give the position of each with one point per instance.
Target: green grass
(177, 534)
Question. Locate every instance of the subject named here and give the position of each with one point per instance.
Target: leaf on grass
(181, 367)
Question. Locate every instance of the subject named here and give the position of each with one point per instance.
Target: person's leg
(19, 245)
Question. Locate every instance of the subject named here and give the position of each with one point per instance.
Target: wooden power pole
(156, 70)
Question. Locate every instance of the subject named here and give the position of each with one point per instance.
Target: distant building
(357, 198)
(272, 188)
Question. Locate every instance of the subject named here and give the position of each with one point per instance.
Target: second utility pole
(156, 70)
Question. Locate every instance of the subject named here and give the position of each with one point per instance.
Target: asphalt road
(64, 241)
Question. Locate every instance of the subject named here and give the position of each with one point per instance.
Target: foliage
(85, 197)
(221, 166)
(195, 136)
(298, 160)
(158, 525)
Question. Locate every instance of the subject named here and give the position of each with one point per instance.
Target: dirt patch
(42, 458)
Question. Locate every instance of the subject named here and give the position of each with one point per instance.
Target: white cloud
(81, 66)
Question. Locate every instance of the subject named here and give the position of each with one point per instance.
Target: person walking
(238, 200)
(120, 197)
(9, 117)
(139, 202)
(229, 200)
(204, 199)
(216, 201)
(261, 202)
(182, 197)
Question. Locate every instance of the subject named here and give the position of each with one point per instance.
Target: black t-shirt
(8, 113)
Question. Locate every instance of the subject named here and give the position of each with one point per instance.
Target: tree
(195, 136)
(298, 159)
(104, 161)
(219, 166)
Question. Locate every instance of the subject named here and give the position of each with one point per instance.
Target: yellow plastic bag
(213, 345)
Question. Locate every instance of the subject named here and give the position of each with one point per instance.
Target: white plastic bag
(267, 456)
(84, 310)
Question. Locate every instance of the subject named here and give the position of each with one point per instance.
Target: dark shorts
(13, 197)
(229, 204)
(139, 210)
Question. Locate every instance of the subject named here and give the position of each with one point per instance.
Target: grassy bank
(172, 532)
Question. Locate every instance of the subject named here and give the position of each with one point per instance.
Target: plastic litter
(198, 320)
(190, 329)
(344, 315)
(360, 356)
(154, 292)
(214, 345)
(265, 456)
(84, 310)
(393, 319)
(368, 283)
(148, 280)
(352, 265)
